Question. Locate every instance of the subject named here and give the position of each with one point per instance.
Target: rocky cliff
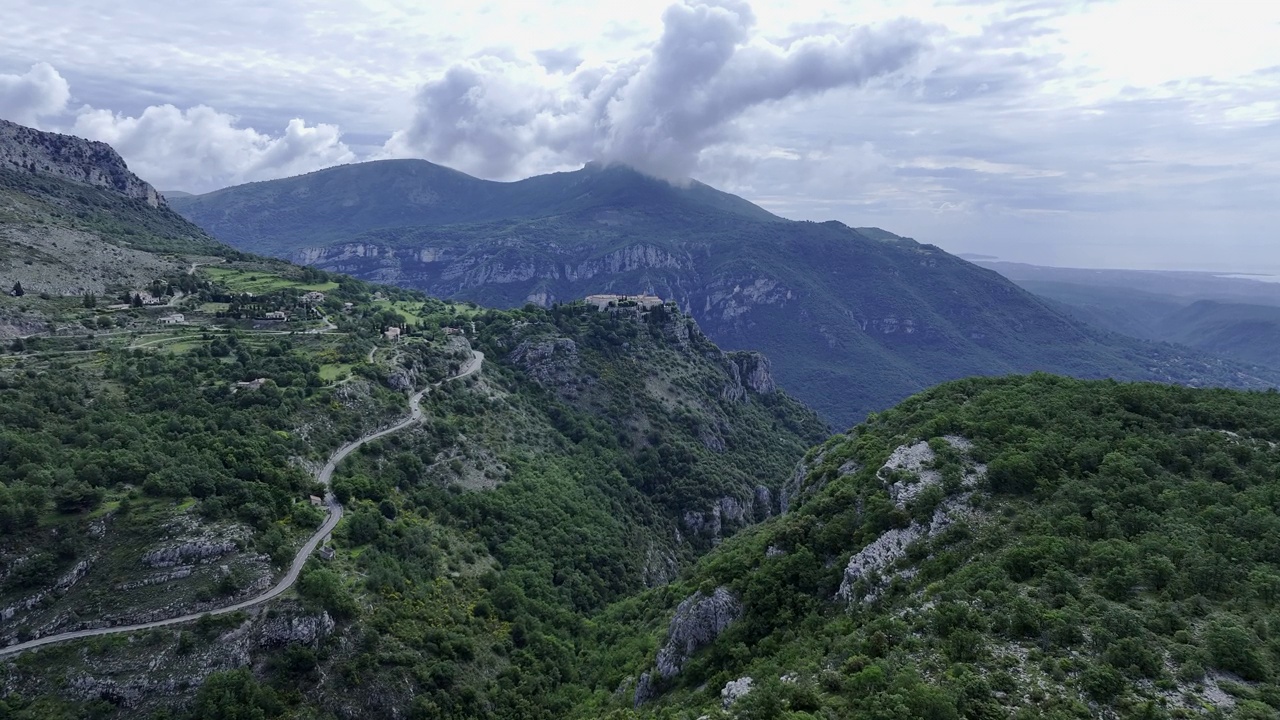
(852, 321)
(71, 158)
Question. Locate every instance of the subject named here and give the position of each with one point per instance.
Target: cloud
(41, 92)
(504, 118)
(202, 149)
(558, 61)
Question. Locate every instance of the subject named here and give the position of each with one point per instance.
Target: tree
(136, 301)
(235, 695)
(17, 290)
(90, 300)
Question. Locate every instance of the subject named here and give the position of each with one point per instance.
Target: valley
(853, 320)
(213, 505)
(1233, 316)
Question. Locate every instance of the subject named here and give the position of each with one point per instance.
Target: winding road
(470, 367)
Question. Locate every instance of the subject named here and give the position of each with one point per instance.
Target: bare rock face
(747, 371)
(551, 362)
(645, 691)
(71, 158)
(735, 690)
(89, 688)
(727, 512)
(186, 553)
(302, 629)
(755, 371)
(914, 461)
(698, 621)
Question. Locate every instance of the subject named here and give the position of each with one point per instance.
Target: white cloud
(503, 117)
(1120, 120)
(202, 149)
(40, 92)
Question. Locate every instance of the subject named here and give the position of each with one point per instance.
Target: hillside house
(174, 319)
(315, 501)
(644, 301)
(147, 298)
(391, 333)
(452, 331)
(249, 385)
(277, 315)
(313, 298)
(326, 553)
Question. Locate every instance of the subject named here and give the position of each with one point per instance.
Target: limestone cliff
(71, 158)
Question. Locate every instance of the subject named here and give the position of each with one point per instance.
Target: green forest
(1119, 558)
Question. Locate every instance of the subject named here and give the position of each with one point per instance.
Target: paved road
(470, 367)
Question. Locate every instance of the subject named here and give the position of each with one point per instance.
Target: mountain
(279, 217)
(853, 320)
(75, 220)
(165, 458)
(1230, 316)
(1019, 547)
(71, 158)
(1249, 333)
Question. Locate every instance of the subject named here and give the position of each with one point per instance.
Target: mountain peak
(71, 158)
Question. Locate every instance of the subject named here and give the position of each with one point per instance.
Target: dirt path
(471, 367)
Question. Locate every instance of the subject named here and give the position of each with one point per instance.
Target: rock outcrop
(724, 513)
(187, 552)
(552, 362)
(735, 690)
(747, 371)
(71, 158)
(698, 621)
(298, 629)
(914, 461)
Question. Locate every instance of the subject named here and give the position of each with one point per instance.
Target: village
(607, 301)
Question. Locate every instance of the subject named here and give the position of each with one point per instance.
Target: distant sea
(1248, 276)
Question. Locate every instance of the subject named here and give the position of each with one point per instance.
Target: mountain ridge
(388, 194)
(852, 322)
(72, 158)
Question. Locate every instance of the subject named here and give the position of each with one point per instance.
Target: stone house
(644, 301)
(174, 319)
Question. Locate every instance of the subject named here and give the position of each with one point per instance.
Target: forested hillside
(163, 435)
(1024, 547)
(599, 453)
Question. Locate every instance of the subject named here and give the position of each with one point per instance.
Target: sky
(1091, 133)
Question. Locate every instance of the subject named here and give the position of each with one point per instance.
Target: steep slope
(852, 323)
(1122, 310)
(1232, 317)
(75, 221)
(71, 158)
(162, 460)
(1022, 547)
(1249, 333)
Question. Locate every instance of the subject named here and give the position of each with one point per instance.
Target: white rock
(735, 690)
